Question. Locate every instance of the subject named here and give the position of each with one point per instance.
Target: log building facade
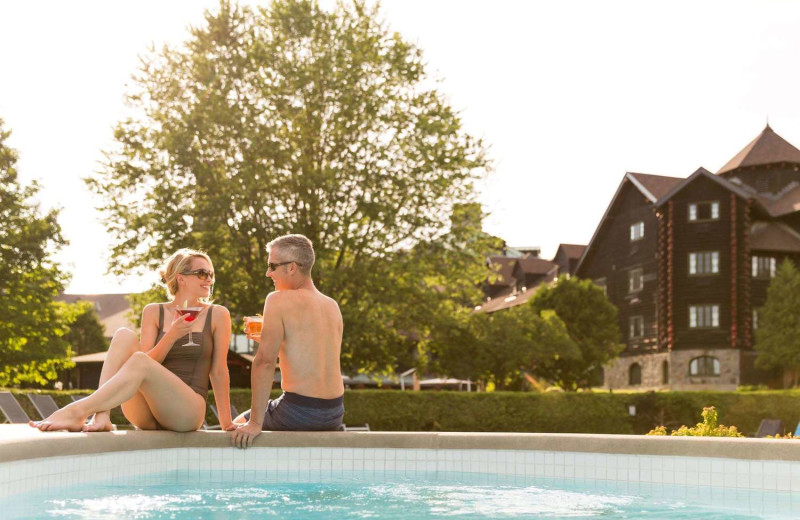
(687, 262)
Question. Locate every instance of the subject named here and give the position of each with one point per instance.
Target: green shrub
(707, 428)
(564, 412)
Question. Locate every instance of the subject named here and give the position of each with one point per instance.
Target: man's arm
(263, 370)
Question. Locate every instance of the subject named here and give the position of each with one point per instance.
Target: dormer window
(703, 211)
(764, 266)
(637, 231)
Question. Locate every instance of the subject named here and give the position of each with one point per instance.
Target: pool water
(285, 495)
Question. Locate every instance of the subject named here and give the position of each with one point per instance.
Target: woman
(161, 383)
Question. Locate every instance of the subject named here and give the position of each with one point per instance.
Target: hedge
(582, 412)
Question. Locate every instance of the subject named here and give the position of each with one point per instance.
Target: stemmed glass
(192, 312)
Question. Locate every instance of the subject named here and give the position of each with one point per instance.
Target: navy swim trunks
(295, 412)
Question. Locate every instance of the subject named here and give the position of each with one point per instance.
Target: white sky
(569, 96)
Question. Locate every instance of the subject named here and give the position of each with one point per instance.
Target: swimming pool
(391, 496)
(411, 475)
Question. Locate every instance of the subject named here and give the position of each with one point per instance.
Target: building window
(703, 316)
(704, 366)
(636, 327)
(665, 373)
(701, 211)
(635, 374)
(637, 231)
(764, 266)
(635, 280)
(755, 319)
(706, 262)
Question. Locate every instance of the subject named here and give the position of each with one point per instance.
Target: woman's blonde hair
(177, 264)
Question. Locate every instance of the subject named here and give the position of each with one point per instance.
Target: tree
(86, 334)
(778, 332)
(500, 347)
(293, 119)
(591, 322)
(32, 325)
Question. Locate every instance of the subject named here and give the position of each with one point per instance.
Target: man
(303, 327)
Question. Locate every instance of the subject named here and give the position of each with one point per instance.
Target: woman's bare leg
(124, 344)
(173, 404)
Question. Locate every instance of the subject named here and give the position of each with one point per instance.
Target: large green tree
(778, 332)
(32, 325)
(294, 119)
(502, 346)
(86, 334)
(591, 322)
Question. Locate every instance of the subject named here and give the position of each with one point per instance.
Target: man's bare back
(312, 345)
(303, 328)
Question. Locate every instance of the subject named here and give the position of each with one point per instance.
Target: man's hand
(243, 436)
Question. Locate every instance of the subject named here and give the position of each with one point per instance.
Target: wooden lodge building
(687, 262)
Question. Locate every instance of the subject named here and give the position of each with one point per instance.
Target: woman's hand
(255, 336)
(181, 326)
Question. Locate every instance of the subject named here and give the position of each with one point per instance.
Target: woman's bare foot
(101, 422)
(68, 418)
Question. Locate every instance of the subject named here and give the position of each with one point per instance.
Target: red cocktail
(191, 313)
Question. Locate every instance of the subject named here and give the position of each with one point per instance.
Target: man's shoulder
(297, 297)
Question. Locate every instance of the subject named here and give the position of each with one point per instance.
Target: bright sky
(569, 96)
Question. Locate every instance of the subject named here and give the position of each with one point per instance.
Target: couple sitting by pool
(161, 381)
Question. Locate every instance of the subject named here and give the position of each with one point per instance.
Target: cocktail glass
(192, 313)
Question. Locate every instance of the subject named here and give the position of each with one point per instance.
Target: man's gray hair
(295, 248)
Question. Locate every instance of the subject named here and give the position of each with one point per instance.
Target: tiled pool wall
(319, 463)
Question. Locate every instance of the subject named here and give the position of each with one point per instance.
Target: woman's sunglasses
(203, 274)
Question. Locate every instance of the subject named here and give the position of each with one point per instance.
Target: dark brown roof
(573, 251)
(505, 302)
(788, 201)
(774, 236)
(767, 148)
(535, 265)
(657, 185)
(505, 266)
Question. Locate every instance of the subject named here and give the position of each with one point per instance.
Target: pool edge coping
(37, 445)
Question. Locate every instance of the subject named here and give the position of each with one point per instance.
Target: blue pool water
(184, 495)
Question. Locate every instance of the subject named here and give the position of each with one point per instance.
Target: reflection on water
(184, 495)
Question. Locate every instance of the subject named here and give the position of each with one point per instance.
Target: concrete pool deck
(21, 442)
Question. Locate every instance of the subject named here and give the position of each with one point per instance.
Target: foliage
(707, 428)
(777, 338)
(583, 412)
(86, 334)
(591, 323)
(139, 301)
(501, 347)
(293, 119)
(32, 325)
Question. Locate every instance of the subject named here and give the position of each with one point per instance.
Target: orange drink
(252, 324)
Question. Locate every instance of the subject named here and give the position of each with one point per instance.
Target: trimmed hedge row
(584, 412)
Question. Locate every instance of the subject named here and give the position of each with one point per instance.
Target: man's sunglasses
(272, 267)
(203, 274)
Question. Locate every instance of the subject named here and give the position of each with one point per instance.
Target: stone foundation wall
(617, 372)
(729, 373)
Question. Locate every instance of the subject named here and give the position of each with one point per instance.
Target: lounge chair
(12, 410)
(770, 427)
(44, 404)
(234, 414)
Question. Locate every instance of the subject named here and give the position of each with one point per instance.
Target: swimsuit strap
(160, 318)
(207, 327)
